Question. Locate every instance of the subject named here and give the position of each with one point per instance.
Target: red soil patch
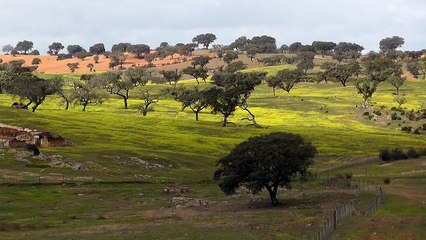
(50, 65)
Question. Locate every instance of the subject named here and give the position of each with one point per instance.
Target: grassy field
(111, 137)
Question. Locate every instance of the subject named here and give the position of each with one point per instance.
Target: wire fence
(344, 211)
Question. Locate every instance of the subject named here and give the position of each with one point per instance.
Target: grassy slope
(326, 114)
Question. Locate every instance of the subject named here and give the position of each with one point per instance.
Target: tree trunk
(273, 195)
(225, 121)
(67, 104)
(145, 112)
(84, 106)
(196, 116)
(273, 90)
(125, 102)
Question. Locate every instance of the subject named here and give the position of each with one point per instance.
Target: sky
(86, 22)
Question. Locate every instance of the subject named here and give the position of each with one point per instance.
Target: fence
(343, 211)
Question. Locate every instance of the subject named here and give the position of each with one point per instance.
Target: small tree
(117, 58)
(55, 48)
(366, 88)
(35, 89)
(24, 46)
(204, 39)
(193, 99)
(98, 48)
(139, 50)
(96, 59)
(269, 161)
(400, 101)
(172, 76)
(36, 61)
(230, 56)
(7, 49)
(90, 66)
(73, 66)
(397, 82)
(201, 61)
(148, 100)
(87, 92)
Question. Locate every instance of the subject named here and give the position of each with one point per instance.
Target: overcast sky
(86, 22)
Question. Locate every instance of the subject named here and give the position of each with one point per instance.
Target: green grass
(326, 114)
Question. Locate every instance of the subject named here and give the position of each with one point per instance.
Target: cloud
(88, 22)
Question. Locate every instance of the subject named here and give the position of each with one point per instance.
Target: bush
(398, 154)
(417, 131)
(366, 113)
(424, 126)
(348, 176)
(411, 116)
(407, 129)
(412, 153)
(35, 52)
(394, 116)
(386, 181)
(377, 112)
(385, 155)
(36, 61)
(1, 60)
(63, 56)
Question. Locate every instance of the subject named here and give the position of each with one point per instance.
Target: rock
(179, 206)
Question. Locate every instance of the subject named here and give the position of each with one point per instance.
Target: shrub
(417, 131)
(412, 153)
(377, 112)
(1, 60)
(394, 116)
(397, 154)
(385, 155)
(63, 56)
(348, 175)
(366, 113)
(424, 126)
(411, 116)
(407, 129)
(386, 181)
(36, 61)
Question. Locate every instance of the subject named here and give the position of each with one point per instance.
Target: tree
(231, 90)
(171, 76)
(342, 73)
(323, 47)
(33, 88)
(24, 46)
(90, 66)
(417, 67)
(139, 50)
(230, 56)
(148, 100)
(55, 48)
(273, 82)
(379, 68)
(73, 66)
(196, 73)
(264, 44)
(284, 48)
(347, 50)
(186, 49)
(235, 67)
(121, 84)
(400, 101)
(294, 47)
(268, 161)
(390, 44)
(193, 99)
(251, 51)
(117, 58)
(305, 61)
(397, 82)
(120, 47)
(74, 49)
(96, 59)
(366, 88)
(219, 49)
(7, 49)
(87, 92)
(201, 61)
(204, 39)
(287, 78)
(98, 48)
(240, 43)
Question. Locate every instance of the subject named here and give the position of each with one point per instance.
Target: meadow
(126, 200)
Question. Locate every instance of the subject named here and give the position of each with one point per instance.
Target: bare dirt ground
(50, 64)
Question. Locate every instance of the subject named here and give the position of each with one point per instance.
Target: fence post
(335, 219)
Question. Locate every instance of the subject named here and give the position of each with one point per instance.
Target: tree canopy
(268, 161)
(204, 39)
